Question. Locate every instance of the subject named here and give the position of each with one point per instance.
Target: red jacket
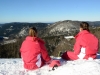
(86, 45)
(34, 53)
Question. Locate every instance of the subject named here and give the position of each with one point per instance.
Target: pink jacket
(34, 53)
(86, 45)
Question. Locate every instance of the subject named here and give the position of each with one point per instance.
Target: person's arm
(77, 48)
(44, 53)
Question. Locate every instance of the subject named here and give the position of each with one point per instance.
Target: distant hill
(52, 33)
(19, 29)
(66, 27)
(61, 28)
(95, 23)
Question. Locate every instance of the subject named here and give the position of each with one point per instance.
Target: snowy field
(77, 67)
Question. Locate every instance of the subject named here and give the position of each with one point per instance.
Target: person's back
(33, 52)
(91, 44)
(29, 52)
(87, 42)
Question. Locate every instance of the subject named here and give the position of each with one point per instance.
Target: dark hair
(32, 32)
(84, 26)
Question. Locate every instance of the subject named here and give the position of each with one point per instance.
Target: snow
(77, 67)
(9, 41)
(23, 31)
(6, 37)
(68, 37)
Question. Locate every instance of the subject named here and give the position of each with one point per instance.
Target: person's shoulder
(77, 35)
(40, 40)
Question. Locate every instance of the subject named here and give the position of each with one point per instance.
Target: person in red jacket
(33, 51)
(85, 47)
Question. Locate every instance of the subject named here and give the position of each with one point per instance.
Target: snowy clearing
(77, 67)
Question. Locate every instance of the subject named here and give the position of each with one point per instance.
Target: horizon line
(43, 22)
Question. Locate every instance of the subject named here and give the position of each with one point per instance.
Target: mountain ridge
(20, 29)
(52, 34)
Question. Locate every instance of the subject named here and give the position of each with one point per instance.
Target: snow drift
(77, 67)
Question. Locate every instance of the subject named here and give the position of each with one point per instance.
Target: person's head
(33, 32)
(84, 26)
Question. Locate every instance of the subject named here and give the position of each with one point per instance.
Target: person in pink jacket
(33, 51)
(85, 47)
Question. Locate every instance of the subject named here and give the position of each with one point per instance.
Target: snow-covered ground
(77, 67)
